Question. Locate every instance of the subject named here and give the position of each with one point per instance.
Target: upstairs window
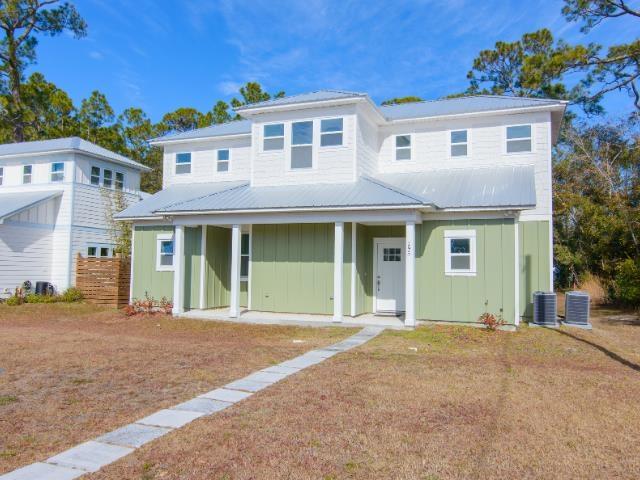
(244, 257)
(459, 143)
(273, 137)
(107, 178)
(403, 147)
(26, 173)
(519, 139)
(119, 181)
(183, 163)
(95, 176)
(301, 145)
(1, 175)
(223, 160)
(164, 252)
(331, 132)
(460, 252)
(57, 172)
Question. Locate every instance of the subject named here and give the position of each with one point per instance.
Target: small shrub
(71, 295)
(35, 298)
(491, 322)
(14, 301)
(627, 282)
(148, 305)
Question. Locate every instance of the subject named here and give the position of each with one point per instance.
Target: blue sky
(163, 54)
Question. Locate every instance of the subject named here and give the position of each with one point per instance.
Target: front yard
(71, 372)
(437, 403)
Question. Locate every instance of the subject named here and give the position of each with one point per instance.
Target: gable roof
(16, 202)
(310, 97)
(73, 144)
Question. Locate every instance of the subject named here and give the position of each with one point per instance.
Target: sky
(160, 55)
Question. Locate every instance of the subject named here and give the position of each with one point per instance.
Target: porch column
(234, 305)
(178, 270)
(203, 268)
(410, 275)
(338, 255)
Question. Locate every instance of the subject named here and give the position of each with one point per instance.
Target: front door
(389, 275)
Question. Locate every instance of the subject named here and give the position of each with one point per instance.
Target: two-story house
(325, 203)
(55, 196)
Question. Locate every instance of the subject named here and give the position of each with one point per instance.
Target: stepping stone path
(95, 454)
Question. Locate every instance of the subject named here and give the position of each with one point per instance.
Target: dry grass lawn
(437, 403)
(71, 372)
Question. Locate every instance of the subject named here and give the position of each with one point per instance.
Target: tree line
(596, 162)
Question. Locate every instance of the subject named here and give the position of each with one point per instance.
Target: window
(331, 132)
(391, 255)
(119, 181)
(95, 176)
(164, 252)
(57, 172)
(183, 163)
(26, 173)
(244, 257)
(273, 137)
(223, 160)
(460, 252)
(519, 139)
(1, 175)
(459, 143)
(107, 178)
(301, 145)
(99, 251)
(403, 147)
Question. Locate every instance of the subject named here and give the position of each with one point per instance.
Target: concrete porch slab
(43, 471)
(133, 435)
(170, 418)
(90, 456)
(225, 395)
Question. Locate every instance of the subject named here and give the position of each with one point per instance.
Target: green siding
(292, 268)
(192, 253)
(244, 295)
(464, 299)
(145, 277)
(218, 267)
(534, 262)
(346, 271)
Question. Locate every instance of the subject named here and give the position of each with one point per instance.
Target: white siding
(83, 172)
(367, 145)
(204, 159)
(41, 171)
(25, 254)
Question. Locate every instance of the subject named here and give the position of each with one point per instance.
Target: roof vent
(545, 309)
(577, 310)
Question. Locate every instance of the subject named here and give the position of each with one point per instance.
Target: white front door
(389, 275)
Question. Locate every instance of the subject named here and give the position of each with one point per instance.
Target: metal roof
(480, 187)
(317, 96)
(462, 105)
(486, 187)
(64, 144)
(14, 203)
(236, 127)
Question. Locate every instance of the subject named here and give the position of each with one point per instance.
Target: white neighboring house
(52, 207)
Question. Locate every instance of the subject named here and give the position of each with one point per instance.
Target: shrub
(627, 282)
(490, 321)
(14, 300)
(594, 287)
(148, 305)
(35, 298)
(71, 295)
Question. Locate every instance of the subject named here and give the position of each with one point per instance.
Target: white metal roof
(75, 144)
(16, 202)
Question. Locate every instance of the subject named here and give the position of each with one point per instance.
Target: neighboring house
(326, 203)
(52, 206)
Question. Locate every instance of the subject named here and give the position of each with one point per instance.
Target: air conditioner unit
(577, 310)
(545, 311)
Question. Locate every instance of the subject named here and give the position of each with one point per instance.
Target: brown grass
(437, 403)
(72, 372)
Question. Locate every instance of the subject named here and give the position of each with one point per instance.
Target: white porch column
(354, 272)
(178, 270)
(338, 255)
(236, 238)
(410, 275)
(203, 267)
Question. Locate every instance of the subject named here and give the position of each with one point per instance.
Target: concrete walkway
(95, 454)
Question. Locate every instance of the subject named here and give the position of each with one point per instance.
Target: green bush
(14, 300)
(34, 298)
(71, 295)
(627, 282)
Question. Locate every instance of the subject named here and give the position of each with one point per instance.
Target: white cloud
(228, 87)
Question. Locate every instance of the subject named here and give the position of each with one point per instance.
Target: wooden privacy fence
(104, 281)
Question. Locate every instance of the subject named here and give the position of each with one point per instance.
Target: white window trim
(465, 234)
(396, 148)
(290, 146)
(124, 177)
(505, 140)
(98, 246)
(163, 237)
(228, 162)
(99, 176)
(1, 176)
(468, 143)
(112, 179)
(175, 164)
(29, 174)
(52, 173)
(245, 278)
(263, 137)
(329, 147)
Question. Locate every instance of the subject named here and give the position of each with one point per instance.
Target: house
(54, 195)
(325, 203)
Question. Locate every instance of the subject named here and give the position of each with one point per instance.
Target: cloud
(96, 55)
(228, 87)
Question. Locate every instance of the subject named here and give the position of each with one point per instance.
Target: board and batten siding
(192, 252)
(534, 252)
(464, 298)
(218, 267)
(146, 279)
